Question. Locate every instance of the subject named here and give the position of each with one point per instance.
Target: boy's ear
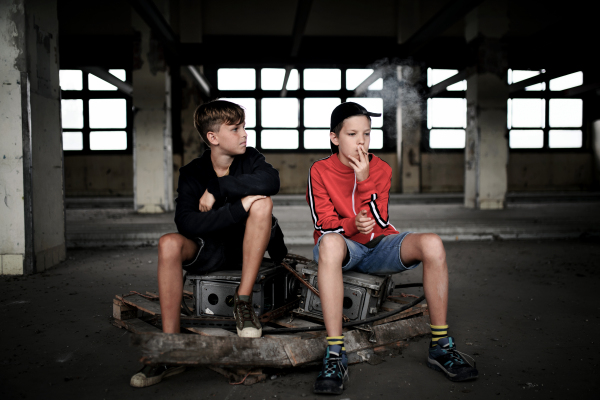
(212, 138)
(334, 138)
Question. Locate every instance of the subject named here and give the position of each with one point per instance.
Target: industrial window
(446, 116)
(95, 116)
(300, 120)
(545, 119)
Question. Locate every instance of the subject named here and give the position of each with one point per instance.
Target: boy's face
(355, 135)
(230, 139)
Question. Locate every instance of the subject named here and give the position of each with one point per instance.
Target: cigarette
(365, 153)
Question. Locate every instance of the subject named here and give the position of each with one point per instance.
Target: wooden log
(210, 331)
(141, 303)
(136, 325)
(241, 376)
(123, 311)
(264, 352)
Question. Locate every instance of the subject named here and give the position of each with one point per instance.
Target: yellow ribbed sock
(336, 344)
(438, 332)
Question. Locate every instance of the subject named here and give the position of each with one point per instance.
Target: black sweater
(249, 174)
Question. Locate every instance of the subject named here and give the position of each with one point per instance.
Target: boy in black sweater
(224, 220)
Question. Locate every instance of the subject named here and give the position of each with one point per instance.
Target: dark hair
(209, 117)
(338, 128)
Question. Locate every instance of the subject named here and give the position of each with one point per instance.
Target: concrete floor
(526, 310)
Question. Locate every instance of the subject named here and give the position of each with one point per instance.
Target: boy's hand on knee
(249, 200)
(364, 224)
(206, 201)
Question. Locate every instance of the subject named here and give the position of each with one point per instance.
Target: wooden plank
(136, 325)
(141, 303)
(123, 311)
(210, 331)
(264, 352)
(416, 310)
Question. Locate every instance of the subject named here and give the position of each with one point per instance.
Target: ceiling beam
(443, 85)
(302, 13)
(199, 79)
(110, 78)
(450, 14)
(152, 16)
(364, 86)
(518, 86)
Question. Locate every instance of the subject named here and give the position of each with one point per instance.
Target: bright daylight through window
(294, 122)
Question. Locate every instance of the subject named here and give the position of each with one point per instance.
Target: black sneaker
(246, 321)
(444, 357)
(333, 375)
(152, 374)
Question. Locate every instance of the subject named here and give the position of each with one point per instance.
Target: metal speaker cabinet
(363, 294)
(213, 292)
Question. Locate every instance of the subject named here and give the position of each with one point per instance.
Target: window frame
(547, 95)
(389, 142)
(86, 95)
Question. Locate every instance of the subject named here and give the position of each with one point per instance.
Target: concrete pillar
(596, 150)
(32, 237)
(486, 150)
(409, 115)
(152, 150)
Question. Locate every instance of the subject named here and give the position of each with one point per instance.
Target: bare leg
(256, 239)
(332, 251)
(428, 248)
(173, 249)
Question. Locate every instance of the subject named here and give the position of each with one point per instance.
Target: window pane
(70, 79)
(517, 75)
(376, 139)
(355, 77)
(236, 79)
(316, 139)
(108, 113)
(565, 139)
(272, 79)
(526, 113)
(317, 112)
(72, 141)
(435, 76)
(372, 104)
(567, 81)
(251, 138)
(279, 113)
(446, 113)
(447, 138)
(95, 83)
(526, 139)
(249, 106)
(279, 139)
(322, 79)
(566, 113)
(108, 140)
(72, 114)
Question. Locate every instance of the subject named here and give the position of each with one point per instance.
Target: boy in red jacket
(348, 194)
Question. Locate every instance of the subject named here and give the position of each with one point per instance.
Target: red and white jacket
(335, 197)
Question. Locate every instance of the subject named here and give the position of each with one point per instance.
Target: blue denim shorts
(384, 259)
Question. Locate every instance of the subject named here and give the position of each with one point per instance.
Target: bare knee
(263, 207)
(332, 247)
(170, 245)
(432, 247)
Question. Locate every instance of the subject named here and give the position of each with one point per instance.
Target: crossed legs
(174, 249)
(424, 247)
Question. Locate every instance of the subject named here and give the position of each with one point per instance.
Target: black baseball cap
(347, 110)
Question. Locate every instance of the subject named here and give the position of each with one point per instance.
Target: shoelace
(331, 364)
(245, 311)
(458, 358)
